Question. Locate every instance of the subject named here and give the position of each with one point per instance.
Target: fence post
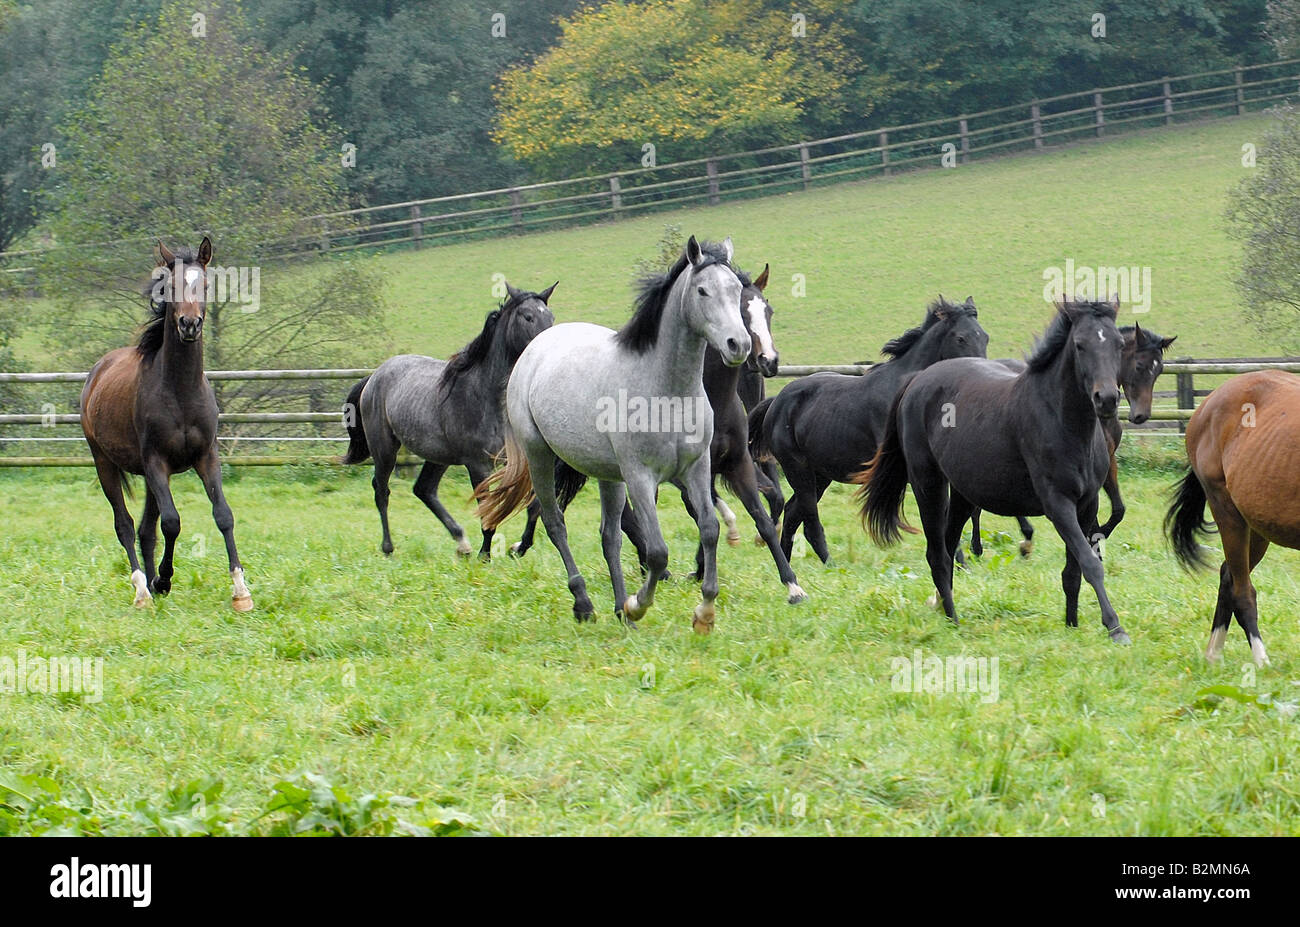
(884, 151)
(711, 169)
(417, 227)
(324, 235)
(615, 194)
(1101, 118)
(1169, 105)
(1241, 93)
(965, 140)
(804, 167)
(1186, 386)
(1037, 117)
(516, 207)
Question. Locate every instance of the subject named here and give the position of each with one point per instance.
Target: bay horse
(729, 457)
(1242, 447)
(149, 410)
(1141, 364)
(446, 412)
(629, 409)
(822, 427)
(969, 432)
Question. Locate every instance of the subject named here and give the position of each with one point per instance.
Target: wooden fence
(1164, 415)
(954, 140)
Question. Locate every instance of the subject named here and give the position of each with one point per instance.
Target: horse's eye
(702, 291)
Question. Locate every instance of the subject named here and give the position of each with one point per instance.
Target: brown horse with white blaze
(149, 410)
(1242, 445)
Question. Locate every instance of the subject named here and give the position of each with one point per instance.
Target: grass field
(469, 685)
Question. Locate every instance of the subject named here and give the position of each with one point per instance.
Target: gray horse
(446, 412)
(629, 409)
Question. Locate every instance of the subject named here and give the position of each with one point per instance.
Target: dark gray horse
(446, 412)
(823, 427)
(970, 432)
(629, 409)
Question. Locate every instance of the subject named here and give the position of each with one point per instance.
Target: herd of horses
(522, 408)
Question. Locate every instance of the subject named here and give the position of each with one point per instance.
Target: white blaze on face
(757, 310)
(193, 286)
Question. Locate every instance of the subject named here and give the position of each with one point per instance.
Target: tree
(185, 134)
(690, 78)
(1263, 213)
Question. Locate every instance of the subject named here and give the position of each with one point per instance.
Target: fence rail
(1184, 370)
(1032, 125)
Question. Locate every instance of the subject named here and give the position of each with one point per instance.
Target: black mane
(151, 333)
(476, 352)
(900, 345)
(641, 332)
(1049, 344)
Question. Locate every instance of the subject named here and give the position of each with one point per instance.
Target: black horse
(447, 412)
(1015, 444)
(729, 456)
(1141, 364)
(821, 428)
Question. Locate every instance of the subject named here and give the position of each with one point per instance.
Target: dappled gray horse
(587, 397)
(446, 412)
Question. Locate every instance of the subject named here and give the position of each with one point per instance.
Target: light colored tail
(508, 488)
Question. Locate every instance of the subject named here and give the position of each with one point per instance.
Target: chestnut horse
(1242, 445)
(149, 410)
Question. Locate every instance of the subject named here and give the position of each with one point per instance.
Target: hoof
(142, 597)
(758, 541)
(242, 603)
(485, 556)
(702, 620)
(1118, 636)
(933, 601)
(633, 610)
(1026, 548)
(516, 551)
(1257, 652)
(160, 586)
(463, 549)
(583, 617)
(733, 540)
(624, 620)
(797, 595)
(692, 577)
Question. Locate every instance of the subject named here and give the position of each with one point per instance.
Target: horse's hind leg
(110, 481)
(807, 489)
(727, 515)
(209, 471)
(932, 502)
(525, 542)
(1242, 551)
(1027, 532)
(613, 497)
(641, 490)
(426, 490)
(478, 472)
(383, 449)
(541, 466)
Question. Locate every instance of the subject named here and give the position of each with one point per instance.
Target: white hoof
(933, 601)
(733, 538)
(1257, 652)
(240, 598)
(464, 548)
(142, 597)
(633, 610)
(797, 595)
(1214, 649)
(703, 619)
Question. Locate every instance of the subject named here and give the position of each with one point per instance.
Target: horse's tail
(759, 448)
(884, 484)
(568, 483)
(1185, 521)
(508, 488)
(358, 448)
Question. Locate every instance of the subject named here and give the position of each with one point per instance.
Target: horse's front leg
(745, 481)
(157, 476)
(1116, 500)
(641, 490)
(209, 471)
(1067, 517)
(697, 486)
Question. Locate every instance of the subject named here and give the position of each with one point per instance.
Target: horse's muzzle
(768, 366)
(189, 328)
(1106, 402)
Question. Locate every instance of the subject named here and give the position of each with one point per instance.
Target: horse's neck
(678, 355)
(720, 381)
(180, 363)
(916, 358)
(1057, 387)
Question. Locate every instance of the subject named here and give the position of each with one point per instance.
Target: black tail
(758, 446)
(358, 448)
(884, 484)
(568, 483)
(1185, 521)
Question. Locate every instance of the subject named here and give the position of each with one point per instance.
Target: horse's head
(962, 334)
(1098, 348)
(711, 300)
(757, 314)
(179, 287)
(524, 316)
(1142, 361)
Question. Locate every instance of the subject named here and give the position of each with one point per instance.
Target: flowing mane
(476, 351)
(1049, 344)
(150, 339)
(641, 332)
(936, 312)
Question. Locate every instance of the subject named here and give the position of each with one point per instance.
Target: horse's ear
(162, 255)
(1114, 302)
(693, 253)
(512, 292)
(728, 248)
(205, 251)
(761, 280)
(545, 295)
(1166, 342)
(970, 301)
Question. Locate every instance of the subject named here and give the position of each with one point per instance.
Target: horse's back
(108, 408)
(1246, 435)
(401, 396)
